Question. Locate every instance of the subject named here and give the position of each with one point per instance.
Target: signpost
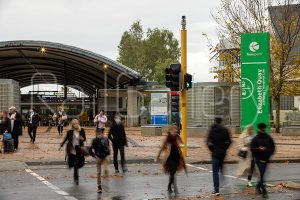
(255, 97)
(159, 108)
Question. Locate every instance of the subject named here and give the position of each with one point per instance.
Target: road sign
(255, 97)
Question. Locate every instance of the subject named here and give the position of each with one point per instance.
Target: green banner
(255, 97)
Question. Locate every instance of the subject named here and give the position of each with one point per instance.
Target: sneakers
(117, 171)
(215, 194)
(99, 189)
(124, 170)
(249, 184)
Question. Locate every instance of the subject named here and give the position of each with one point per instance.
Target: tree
(246, 16)
(148, 53)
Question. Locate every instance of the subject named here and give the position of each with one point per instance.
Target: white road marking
(54, 188)
(229, 176)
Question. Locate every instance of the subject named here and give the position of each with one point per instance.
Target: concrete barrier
(291, 131)
(149, 131)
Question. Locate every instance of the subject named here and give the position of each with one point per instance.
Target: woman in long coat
(246, 165)
(75, 138)
(173, 160)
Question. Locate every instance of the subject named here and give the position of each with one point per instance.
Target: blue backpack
(7, 136)
(101, 146)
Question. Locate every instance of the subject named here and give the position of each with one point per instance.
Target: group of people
(11, 127)
(253, 151)
(98, 148)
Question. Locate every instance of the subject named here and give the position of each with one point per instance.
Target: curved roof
(25, 62)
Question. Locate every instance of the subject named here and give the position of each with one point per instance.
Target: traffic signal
(173, 75)
(175, 108)
(188, 81)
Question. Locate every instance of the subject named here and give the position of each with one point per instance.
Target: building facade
(9, 94)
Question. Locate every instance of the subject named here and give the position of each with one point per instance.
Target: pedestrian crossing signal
(188, 81)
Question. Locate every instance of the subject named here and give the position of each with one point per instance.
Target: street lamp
(43, 50)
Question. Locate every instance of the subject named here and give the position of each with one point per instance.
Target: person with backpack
(100, 150)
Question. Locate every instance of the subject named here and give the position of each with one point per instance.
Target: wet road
(141, 182)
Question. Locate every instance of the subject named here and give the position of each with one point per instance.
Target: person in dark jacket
(32, 118)
(75, 138)
(100, 150)
(218, 141)
(16, 126)
(118, 138)
(262, 147)
(4, 125)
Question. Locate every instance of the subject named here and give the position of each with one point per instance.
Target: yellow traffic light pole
(183, 93)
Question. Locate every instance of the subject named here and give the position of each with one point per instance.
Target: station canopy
(39, 62)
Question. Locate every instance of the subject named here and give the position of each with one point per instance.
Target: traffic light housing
(175, 108)
(173, 77)
(188, 81)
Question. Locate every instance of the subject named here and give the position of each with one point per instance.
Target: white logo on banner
(254, 46)
(247, 88)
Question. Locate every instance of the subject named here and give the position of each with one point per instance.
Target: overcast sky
(97, 25)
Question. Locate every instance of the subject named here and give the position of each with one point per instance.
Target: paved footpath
(143, 181)
(47, 143)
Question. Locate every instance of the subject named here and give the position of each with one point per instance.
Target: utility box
(149, 131)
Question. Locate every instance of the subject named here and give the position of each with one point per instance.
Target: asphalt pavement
(143, 181)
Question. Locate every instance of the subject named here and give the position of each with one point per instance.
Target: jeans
(262, 166)
(16, 140)
(217, 166)
(33, 131)
(100, 162)
(116, 149)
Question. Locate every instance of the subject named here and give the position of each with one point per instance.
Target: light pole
(183, 91)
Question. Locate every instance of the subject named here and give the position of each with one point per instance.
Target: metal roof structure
(39, 62)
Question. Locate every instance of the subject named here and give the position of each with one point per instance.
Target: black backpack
(101, 146)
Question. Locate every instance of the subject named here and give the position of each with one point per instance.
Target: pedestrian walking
(16, 126)
(173, 160)
(262, 147)
(33, 119)
(118, 138)
(75, 138)
(5, 127)
(218, 141)
(100, 150)
(60, 118)
(100, 121)
(246, 161)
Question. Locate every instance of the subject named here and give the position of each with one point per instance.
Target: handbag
(7, 136)
(242, 154)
